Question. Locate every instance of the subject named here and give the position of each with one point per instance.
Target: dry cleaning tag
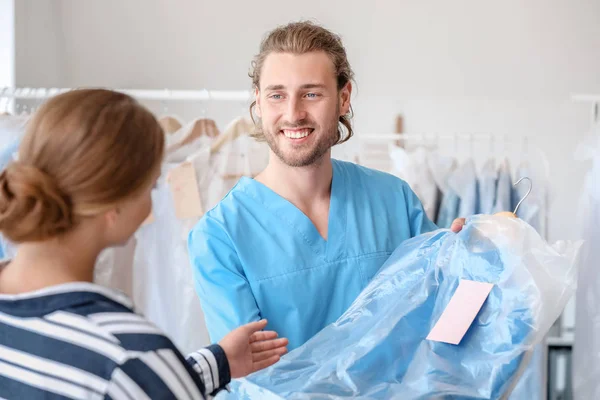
(184, 188)
(460, 311)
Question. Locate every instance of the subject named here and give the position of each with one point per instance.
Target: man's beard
(304, 155)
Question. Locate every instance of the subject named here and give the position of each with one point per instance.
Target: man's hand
(248, 349)
(457, 225)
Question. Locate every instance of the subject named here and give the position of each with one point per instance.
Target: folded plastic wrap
(378, 348)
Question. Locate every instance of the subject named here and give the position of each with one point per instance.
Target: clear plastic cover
(586, 350)
(378, 348)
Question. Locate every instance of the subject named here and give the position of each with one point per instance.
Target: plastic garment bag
(463, 182)
(531, 384)
(114, 268)
(503, 189)
(487, 188)
(378, 348)
(586, 351)
(412, 167)
(441, 168)
(163, 281)
(448, 209)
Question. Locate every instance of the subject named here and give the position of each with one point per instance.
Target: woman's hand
(249, 349)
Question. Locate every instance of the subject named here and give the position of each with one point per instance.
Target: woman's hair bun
(32, 206)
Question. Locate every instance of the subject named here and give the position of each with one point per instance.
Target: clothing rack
(429, 138)
(142, 94)
(435, 136)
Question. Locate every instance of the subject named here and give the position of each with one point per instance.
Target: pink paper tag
(460, 311)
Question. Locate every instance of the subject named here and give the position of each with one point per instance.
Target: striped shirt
(84, 341)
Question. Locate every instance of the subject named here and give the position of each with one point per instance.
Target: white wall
(40, 57)
(505, 67)
(7, 43)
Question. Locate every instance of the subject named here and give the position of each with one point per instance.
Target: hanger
(188, 134)
(238, 127)
(201, 127)
(513, 214)
(170, 124)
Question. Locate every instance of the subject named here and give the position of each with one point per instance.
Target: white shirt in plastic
(413, 168)
(163, 287)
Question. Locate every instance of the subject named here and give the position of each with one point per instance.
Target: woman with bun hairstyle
(82, 183)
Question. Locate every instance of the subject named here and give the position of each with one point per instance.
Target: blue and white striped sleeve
(166, 374)
(212, 367)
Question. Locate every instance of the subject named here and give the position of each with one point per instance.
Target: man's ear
(257, 100)
(345, 95)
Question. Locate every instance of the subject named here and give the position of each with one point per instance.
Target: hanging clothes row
(452, 186)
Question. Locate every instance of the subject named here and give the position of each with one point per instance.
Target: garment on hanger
(379, 348)
(114, 267)
(190, 132)
(376, 156)
(586, 350)
(412, 167)
(487, 188)
(463, 182)
(188, 151)
(441, 167)
(347, 151)
(237, 128)
(530, 384)
(163, 281)
(503, 189)
(240, 157)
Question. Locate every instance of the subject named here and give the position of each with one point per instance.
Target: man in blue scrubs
(297, 244)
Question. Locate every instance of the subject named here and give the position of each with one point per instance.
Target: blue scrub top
(255, 255)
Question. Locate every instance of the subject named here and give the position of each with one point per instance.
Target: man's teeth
(296, 134)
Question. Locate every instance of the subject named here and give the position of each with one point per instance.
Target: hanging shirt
(413, 168)
(503, 189)
(463, 182)
(255, 255)
(243, 156)
(379, 348)
(442, 167)
(83, 341)
(487, 188)
(163, 281)
(449, 209)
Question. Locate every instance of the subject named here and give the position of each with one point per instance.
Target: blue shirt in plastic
(487, 188)
(503, 189)
(255, 255)
(378, 348)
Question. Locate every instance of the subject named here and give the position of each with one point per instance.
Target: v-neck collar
(299, 223)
